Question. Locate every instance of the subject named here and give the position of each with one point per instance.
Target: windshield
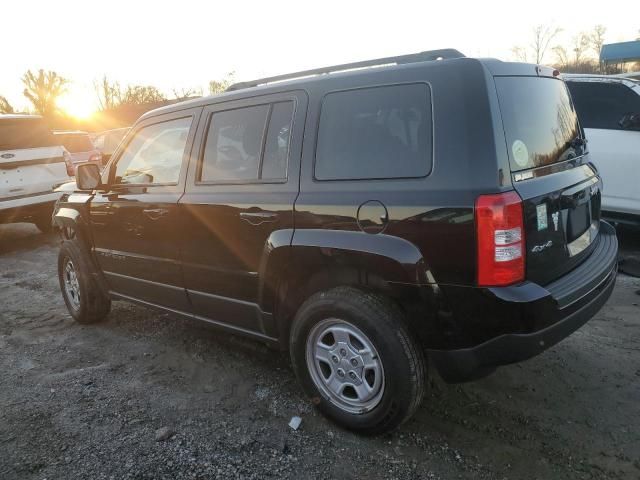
(539, 120)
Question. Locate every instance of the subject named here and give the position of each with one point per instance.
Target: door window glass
(375, 133)
(155, 154)
(602, 105)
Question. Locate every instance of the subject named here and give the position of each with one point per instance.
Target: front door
(240, 195)
(135, 221)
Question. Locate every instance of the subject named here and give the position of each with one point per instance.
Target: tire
(344, 325)
(85, 301)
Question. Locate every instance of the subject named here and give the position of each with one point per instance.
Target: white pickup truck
(32, 163)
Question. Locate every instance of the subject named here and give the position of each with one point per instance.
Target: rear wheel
(355, 357)
(85, 301)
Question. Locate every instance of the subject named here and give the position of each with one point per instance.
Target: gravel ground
(144, 395)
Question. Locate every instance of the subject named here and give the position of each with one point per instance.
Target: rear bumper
(552, 313)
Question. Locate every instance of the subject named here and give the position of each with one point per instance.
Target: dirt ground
(86, 402)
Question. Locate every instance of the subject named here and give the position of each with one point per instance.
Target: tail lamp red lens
(500, 239)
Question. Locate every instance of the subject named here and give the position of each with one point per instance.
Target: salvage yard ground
(88, 401)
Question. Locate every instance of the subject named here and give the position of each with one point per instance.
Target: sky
(186, 43)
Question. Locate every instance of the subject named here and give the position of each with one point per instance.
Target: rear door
(241, 189)
(548, 160)
(612, 148)
(136, 225)
(31, 161)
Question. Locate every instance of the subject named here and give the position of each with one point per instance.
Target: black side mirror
(88, 176)
(630, 121)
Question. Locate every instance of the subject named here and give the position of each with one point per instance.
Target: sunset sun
(77, 105)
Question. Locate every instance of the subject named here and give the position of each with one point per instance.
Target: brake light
(68, 163)
(500, 239)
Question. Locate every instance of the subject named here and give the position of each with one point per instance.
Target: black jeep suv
(366, 217)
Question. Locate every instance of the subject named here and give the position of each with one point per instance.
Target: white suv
(609, 111)
(32, 163)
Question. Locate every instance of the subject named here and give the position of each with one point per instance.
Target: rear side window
(154, 154)
(602, 105)
(375, 133)
(21, 133)
(76, 143)
(248, 144)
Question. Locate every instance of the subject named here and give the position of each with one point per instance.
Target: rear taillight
(68, 163)
(500, 237)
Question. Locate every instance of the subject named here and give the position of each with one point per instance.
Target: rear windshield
(539, 121)
(76, 143)
(19, 133)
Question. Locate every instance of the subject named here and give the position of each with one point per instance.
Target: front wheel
(355, 357)
(86, 302)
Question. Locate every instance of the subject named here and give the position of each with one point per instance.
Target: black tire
(91, 305)
(384, 325)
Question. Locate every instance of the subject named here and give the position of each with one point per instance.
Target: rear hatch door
(560, 191)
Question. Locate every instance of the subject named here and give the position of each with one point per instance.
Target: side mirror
(630, 121)
(88, 176)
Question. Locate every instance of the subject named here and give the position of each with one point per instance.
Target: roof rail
(427, 56)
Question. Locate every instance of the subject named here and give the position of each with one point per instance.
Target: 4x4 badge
(555, 216)
(539, 248)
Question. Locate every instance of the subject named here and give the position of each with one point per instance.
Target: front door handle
(155, 213)
(257, 218)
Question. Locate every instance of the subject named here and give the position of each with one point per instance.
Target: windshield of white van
(540, 122)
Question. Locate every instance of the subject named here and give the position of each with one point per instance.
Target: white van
(609, 111)
(32, 163)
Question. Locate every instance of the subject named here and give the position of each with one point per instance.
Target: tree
(5, 106)
(185, 93)
(519, 53)
(562, 57)
(542, 38)
(581, 44)
(139, 94)
(219, 86)
(597, 39)
(109, 93)
(43, 89)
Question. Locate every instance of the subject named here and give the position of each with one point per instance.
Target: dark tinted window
(276, 147)
(381, 132)
(602, 105)
(539, 121)
(234, 146)
(76, 143)
(25, 133)
(154, 154)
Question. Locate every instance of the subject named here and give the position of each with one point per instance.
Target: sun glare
(76, 105)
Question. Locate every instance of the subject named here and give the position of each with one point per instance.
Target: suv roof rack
(426, 56)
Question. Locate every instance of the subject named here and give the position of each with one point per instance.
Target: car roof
(592, 77)
(19, 116)
(494, 66)
(70, 132)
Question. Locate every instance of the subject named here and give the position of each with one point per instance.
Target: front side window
(375, 133)
(155, 153)
(603, 105)
(248, 144)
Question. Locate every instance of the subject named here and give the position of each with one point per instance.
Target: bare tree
(109, 93)
(542, 38)
(5, 106)
(581, 43)
(43, 89)
(562, 57)
(139, 94)
(219, 86)
(519, 53)
(597, 38)
(184, 93)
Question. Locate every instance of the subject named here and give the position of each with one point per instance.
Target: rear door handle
(256, 218)
(155, 213)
